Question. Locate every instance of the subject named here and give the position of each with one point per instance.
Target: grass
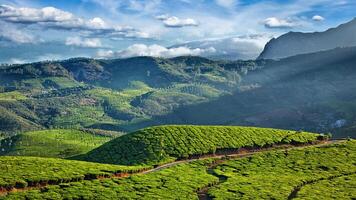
(21, 172)
(274, 175)
(51, 143)
(167, 143)
(178, 182)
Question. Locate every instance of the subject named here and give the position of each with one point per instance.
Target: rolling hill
(294, 43)
(168, 143)
(281, 174)
(51, 143)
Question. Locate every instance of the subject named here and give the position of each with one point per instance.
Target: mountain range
(310, 91)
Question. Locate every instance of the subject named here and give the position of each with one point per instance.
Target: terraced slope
(52, 143)
(167, 143)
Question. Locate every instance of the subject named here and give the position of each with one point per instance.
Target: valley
(94, 110)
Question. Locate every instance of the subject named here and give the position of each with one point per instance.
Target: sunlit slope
(265, 175)
(21, 172)
(165, 143)
(51, 143)
(326, 172)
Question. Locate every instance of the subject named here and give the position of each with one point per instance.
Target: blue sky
(33, 30)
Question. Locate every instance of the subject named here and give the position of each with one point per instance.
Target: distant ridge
(294, 43)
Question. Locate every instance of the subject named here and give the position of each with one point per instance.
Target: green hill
(51, 143)
(19, 172)
(166, 143)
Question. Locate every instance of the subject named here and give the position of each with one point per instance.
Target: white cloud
(54, 18)
(226, 3)
(318, 18)
(238, 47)
(11, 34)
(273, 22)
(154, 51)
(175, 22)
(32, 15)
(114, 6)
(35, 59)
(105, 53)
(83, 42)
(16, 36)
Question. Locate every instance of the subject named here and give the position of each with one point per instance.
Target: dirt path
(221, 157)
(203, 193)
(294, 193)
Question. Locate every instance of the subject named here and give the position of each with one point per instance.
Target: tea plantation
(52, 143)
(312, 173)
(269, 175)
(21, 172)
(168, 143)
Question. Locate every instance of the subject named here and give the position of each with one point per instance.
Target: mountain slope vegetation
(107, 94)
(311, 92)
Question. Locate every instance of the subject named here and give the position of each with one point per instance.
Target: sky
(35, 30)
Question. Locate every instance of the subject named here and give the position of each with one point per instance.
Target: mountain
(232, 48)
(312, 92)
(106, 94)
(294, 43)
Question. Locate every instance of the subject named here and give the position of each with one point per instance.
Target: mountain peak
(294, 43)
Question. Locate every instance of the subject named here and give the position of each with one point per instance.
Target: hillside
(294, 43)
(294, 174)
(166, 143)
(21, 172)
(326, 172)
(51, 143)
(312, 92)
(107, 94)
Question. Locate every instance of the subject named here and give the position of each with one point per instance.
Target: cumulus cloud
(274, 22)
(11, 34)
(318, 18)
(154, 51)
(175, 22)
(31, 15)
(84, 42)
(54, 18)
(16, 37)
